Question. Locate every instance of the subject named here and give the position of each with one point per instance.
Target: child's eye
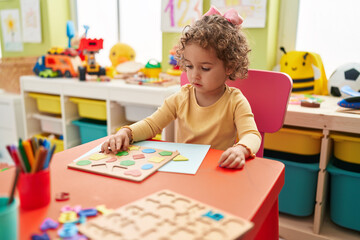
(188, 66)
(205, 69)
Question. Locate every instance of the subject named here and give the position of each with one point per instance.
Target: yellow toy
(120, 53)
(307, 71)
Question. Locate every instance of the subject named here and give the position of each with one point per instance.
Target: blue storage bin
(344, 197)
(298, 194)
(91, 129)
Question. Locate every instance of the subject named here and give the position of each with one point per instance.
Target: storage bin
(294, 144)
(47, 103)
(50, 124)
(297, 196)
(346, 147)
(91, 129)
(90, 108)
(344, 197)
(134, 112)
(53, 140)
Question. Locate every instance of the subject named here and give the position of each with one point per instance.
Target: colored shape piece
(88, 212)
(82, 219)
(123, 153)
(97, 156)
(156, 159)
(165, 153)
(132, 148)
(44, 236)
(215, 216)
(138, 156)
(68, 217)
(180, 158)
(48, 223)
(68, 230)
(62, 196)
(104, 210)
(127, 162)
(134, 172)
(148, 150)
(111, 160)
(83, 162)
(147, 166)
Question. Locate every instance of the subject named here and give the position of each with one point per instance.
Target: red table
(251, 193)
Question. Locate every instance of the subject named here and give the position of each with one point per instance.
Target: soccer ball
(347, 74)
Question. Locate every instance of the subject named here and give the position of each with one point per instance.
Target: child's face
(205, 71)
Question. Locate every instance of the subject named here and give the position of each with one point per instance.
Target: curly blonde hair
(228, 41)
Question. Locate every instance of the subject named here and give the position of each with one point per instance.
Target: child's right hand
(120, 141)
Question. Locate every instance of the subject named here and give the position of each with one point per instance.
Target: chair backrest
(268, 94)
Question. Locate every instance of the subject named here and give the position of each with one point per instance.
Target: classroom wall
(54, 14)
(263, 41)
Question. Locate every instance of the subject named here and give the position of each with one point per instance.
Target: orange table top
(248, 193)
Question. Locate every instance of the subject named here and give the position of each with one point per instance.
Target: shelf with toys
(324, 126)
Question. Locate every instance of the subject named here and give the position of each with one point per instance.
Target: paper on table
(194, 152)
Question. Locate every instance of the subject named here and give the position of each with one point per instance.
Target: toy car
(55, 50)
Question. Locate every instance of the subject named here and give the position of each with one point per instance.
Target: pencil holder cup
(34, 189)
(9, 220)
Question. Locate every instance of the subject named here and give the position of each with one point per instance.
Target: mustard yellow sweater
(217, 125)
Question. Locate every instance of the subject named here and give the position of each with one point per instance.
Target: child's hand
(234, 157)
(118, 141)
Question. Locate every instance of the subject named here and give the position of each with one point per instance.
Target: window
(135, 22)
(327, 27)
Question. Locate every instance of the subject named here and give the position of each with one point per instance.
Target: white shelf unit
(118, 95)
(11, 123)
(327, 119)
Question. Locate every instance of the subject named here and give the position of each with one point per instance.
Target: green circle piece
(165, 153)
(123, 153)
(83, 162)
(127, 162)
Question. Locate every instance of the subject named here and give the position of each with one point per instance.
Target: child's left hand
(234, 157)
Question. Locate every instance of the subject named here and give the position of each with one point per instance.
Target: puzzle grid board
(166, 215)
(136, 164)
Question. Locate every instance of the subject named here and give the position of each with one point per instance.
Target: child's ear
(229, 71)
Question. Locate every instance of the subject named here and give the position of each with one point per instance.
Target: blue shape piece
(147, 166)
(48, 223)
(40, 237)
(88, 212)
(68, 230)
(215, 216)
(149, 150)
(82, 219)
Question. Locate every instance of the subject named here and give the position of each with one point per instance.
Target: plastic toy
(175, 70)
(120, 53)
(70, 31)
(63, 65)
(152, 69)
(347, 74)
(90, 47)
(306, 70)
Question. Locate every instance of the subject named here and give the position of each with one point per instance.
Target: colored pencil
(42, 157)
(49, 156)
(17, 155)
(11, 198)
(23, 155)
(29, 153)
(33, 145)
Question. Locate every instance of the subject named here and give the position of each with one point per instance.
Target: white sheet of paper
(194, 152)
(31, 21)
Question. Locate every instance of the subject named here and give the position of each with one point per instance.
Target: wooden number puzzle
(166, 215)
(136, 164)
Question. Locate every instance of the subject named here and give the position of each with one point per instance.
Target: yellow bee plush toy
(306, 70)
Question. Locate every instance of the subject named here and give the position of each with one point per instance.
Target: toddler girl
(211, 51)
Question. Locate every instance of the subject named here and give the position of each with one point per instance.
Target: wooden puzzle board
(166, 215)
(136, 164)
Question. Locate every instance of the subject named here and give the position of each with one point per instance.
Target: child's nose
(195, 74)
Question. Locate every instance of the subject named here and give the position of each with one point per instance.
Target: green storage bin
(91, 129)
(344, 197)
(298, 194)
